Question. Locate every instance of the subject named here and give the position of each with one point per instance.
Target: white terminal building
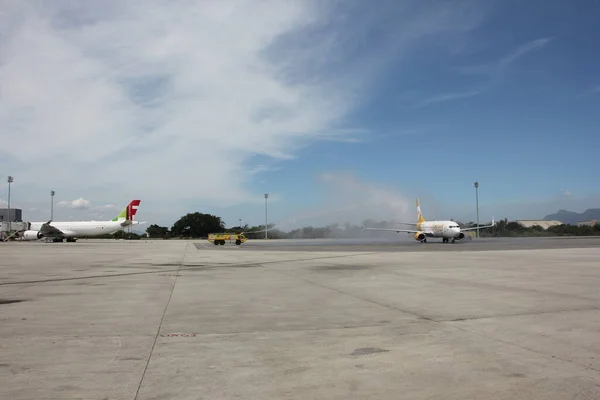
(529, 223)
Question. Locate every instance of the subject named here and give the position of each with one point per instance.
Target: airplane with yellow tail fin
(447, 230)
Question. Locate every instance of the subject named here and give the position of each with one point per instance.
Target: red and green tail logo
(129, 212)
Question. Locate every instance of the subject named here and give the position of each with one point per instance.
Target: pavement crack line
(467, 319)
(353, 295)
(162, 318)
(441, 323)
(587, 367)
(77, 278)
(179, 269)
(462, 282)
(284, 331)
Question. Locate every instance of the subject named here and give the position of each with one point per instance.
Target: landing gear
(424, 240)
(447, 240)
(238, 242)
(61, 239)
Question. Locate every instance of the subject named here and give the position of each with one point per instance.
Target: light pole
(10, 180)
(240, 223)
(266, 219)
(52, 193)
(476, 184)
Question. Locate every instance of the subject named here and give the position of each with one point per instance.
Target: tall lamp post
(240, 223)
(10, 180)
(52, 193)
(476, 184)
(266, 219)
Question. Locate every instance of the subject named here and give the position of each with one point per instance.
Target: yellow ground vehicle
(220, 238)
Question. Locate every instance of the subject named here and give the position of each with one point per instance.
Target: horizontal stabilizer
(391, 230)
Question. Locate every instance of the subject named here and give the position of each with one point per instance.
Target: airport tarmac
(101, 319)
(404, 243)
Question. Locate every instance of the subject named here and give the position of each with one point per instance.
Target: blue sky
(342, 111)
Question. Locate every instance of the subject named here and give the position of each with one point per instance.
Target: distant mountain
(570, 217)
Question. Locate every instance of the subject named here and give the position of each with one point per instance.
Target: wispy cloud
(170, 100)
(491, 72)
(440, 98)
(592, 91)
(496, 69)
(522, 50)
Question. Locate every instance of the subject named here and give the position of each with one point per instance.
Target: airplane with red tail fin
(72, 230)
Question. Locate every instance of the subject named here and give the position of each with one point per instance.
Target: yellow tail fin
(420, 218)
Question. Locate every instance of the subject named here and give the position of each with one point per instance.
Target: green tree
(156, 231)
(122, 234)
(197, 225)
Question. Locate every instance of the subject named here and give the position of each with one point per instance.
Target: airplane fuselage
(83, 228)
(441, 229)
(75, 229)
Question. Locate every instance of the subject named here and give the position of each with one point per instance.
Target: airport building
(528, 223)
(16, 215)
(10, 224)
(588, 223)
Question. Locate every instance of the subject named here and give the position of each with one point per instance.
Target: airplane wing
(407, 223)
(479, 227)
(392, 230)
(51, 231)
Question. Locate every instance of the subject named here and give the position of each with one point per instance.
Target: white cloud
(170, 101)
(3, 203)
(78, 204)
(92, 211)
(565, 192)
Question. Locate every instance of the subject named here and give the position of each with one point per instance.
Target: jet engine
(460, 236)
(420, 236)
(32, 235)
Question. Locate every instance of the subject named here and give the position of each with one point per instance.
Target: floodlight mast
(266, 218)
(476, 184)
(10, 180)
(52, 193)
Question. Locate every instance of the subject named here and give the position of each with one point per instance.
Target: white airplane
(71, 230)
(435, 229)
